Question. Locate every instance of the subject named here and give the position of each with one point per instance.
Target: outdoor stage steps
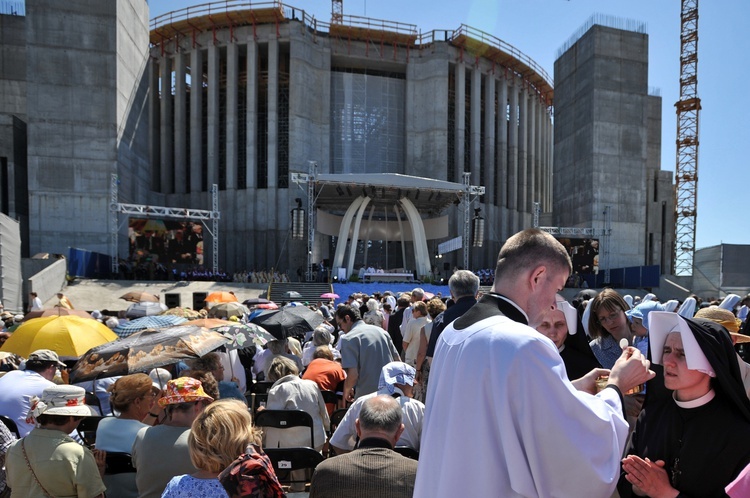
(310, 291)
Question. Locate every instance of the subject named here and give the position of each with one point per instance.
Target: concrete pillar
(252, 115)
(180, 119)
(273, 112)
(460, 121)
(154, 125)
(213, 115)
(531, 156)
(196, 120)
(523, 134)
(501, 173)
(231, 116)
(490, 110)
(167, 125)
(513, 156)
(476, 125)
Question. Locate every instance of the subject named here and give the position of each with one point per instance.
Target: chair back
(118, 463)
(285, 460)
(285, 419)
(10, 424)
(258, 395)
(87, 429)
(93, 401)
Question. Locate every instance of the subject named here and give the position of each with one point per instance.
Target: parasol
(68, 336)
(145, 350)
(139, 297)
(187, 313)
(56, 311)
(226, 310)
(138, 310)
(221, 297)
(288, 321)
(147, 322)
(244, 335)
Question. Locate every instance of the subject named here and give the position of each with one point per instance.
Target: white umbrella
(145, 308)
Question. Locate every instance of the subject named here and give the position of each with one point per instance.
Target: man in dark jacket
(464, 286)
(394, 322)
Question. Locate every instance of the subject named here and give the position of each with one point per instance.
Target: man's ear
(356, 426)
(397, 435)
(536, 275)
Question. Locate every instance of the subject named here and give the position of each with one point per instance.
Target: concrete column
(196, 120)
(273, 112)
(502, 143)
(154, 125)
(476, 125)
(523, 134)
(180, 119)
(490, 110)
(213, 115)
(513, 155)
(231, 116)
(252, 115)
(531, 156)
(167, 125)
(460, 121)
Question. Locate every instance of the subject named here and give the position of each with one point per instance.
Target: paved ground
(104, 294)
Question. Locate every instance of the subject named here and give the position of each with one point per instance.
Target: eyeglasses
(609, 318)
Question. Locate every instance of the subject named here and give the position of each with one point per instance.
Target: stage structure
(399, 208)
(214, 215)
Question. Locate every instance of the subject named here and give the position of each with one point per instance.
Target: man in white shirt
(500, 398)
(17, 387)
(35, 303)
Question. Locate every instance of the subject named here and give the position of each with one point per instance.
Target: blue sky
(539, 27)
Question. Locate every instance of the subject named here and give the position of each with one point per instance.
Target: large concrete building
(607, 142)
(244, 97)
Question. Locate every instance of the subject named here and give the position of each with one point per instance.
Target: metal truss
(471, 193)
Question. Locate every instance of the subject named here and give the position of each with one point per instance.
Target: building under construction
(284, 111)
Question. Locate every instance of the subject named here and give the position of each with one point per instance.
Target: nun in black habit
(697, 441)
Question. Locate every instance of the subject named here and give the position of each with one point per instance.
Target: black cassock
(704, 448)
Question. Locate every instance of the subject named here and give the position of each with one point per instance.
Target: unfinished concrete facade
(278, 90)
(608, 147)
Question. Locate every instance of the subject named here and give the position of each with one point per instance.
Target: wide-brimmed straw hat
(61, 400)
(183, 390)
(725, 318)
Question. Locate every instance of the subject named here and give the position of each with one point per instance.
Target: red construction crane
(686, 172)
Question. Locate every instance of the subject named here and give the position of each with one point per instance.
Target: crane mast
(686, 171)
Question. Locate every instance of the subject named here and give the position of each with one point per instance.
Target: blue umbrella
(147, 322)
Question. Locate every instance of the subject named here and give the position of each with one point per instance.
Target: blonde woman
(218, 436)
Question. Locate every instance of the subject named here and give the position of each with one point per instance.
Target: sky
(538, 28)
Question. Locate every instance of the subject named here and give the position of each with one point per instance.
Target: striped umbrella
(147, 322)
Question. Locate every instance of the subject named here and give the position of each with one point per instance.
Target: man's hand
(100, 457)
(648, 477)
(630, 370)
(587, 383)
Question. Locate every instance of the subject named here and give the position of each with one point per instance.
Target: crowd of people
(514, 392)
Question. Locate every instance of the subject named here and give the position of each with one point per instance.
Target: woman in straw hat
(218, 436)
(698, 440)
(48, 462)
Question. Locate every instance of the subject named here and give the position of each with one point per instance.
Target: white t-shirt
(16, 389)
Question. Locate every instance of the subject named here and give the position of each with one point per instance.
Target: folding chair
(285, 419)
(10, 424)
(284, 460)
(118, 463)
(87, 430)
(336, 417)
(258, 395)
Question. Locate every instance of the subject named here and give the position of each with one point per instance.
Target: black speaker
(172, 300)
(446, 266)
(199, 300)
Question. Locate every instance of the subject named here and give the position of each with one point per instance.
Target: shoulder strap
(28, 464)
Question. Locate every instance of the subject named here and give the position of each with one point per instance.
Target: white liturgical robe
(503, 420)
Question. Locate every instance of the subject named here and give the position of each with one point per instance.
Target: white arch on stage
(350, 224)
